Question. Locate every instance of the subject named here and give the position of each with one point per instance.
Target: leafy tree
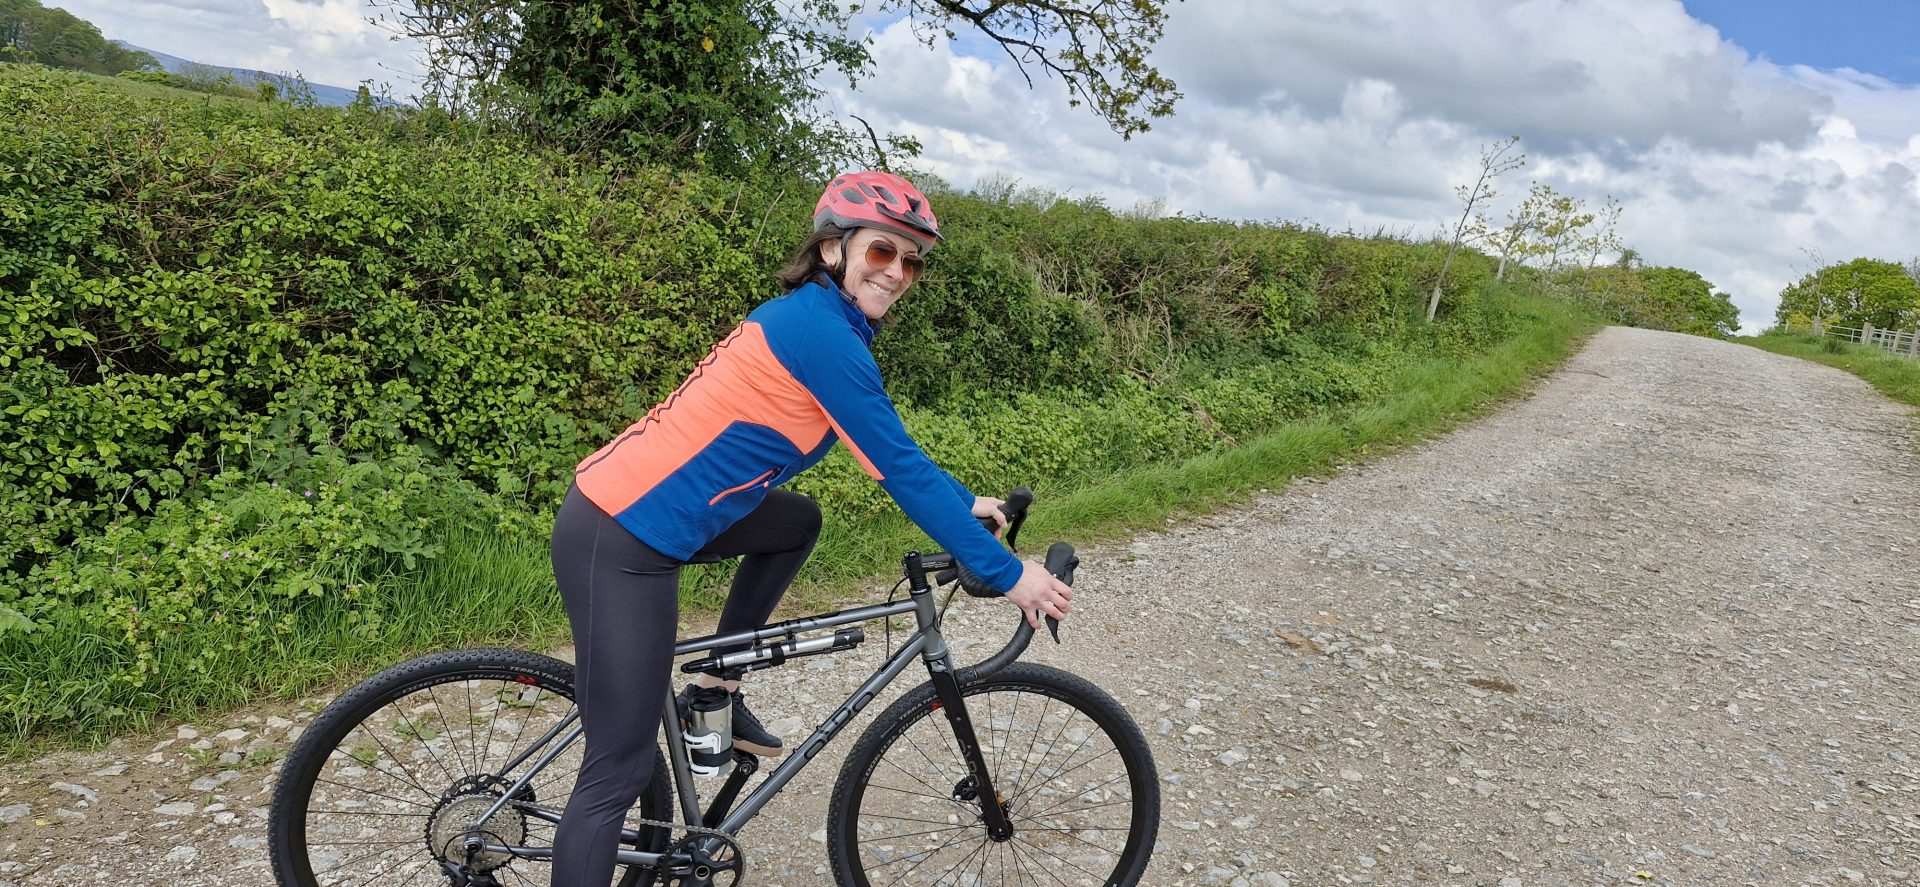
(1852, 293)
(732, 82)
(1494, 162)
(1560, 227)
(1685, 302)
(1659, 298)
(1511, 240)
(30, 32)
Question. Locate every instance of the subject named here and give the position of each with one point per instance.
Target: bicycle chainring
(725, 867)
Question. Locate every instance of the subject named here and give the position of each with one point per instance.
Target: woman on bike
(698, 479)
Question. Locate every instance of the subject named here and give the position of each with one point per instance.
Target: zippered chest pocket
(759, 480)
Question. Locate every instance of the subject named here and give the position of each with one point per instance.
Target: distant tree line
(1560, 241)
(33, 33)
(1861, 291)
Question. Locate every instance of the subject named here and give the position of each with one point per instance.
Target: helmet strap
(838, 270)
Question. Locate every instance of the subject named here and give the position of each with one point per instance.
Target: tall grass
(1895, 377)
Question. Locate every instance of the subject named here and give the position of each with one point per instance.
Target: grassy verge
(1896, 377)
(498, 589)
(1424, 399)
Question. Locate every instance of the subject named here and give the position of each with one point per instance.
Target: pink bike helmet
(878, 199)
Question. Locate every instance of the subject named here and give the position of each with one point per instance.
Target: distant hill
(334, 96)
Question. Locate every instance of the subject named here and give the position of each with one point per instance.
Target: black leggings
(623, 601)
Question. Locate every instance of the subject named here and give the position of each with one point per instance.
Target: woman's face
(879, 268)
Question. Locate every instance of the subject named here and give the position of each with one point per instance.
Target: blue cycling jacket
(766, 403)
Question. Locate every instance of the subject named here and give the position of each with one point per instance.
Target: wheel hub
(454, 820)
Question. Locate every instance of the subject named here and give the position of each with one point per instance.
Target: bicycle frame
(925, 642)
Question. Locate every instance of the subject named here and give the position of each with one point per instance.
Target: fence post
(1819, 329)
(1913, 346)
(1866, 333)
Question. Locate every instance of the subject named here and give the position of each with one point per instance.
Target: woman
(697, 479)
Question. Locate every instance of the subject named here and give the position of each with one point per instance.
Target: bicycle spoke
(917, 794)
(1065, 721)
(939, 793)
(452, 747)
(920, 834)
(1020, 764)
(1116, 778)
(360, 843)
(357, 860)
(1070, 863)
(1076, 750)
(492, 722)
(904, 818)
(535, 703)
(1069, 833)
(962, 863)
(908, 737)
(1089, 762)
(983, 866)
(407, 725)
(376, 794)
(410, 778)
(363, 813)
(376, 875)
(1015, 847)
(467, 688)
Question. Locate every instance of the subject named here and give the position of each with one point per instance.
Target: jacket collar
(851, 312)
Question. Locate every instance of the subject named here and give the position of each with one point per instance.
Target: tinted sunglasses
(881, 253)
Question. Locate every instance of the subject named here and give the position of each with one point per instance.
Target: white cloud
(1334, 113)
(326, 41)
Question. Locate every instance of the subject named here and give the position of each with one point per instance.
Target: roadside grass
(144, 89)
(498, 590)
(1895, 377)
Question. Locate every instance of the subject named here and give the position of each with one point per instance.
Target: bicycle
(908, 807)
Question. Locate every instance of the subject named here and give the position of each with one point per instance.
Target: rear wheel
(1068, 764)
(389, 782)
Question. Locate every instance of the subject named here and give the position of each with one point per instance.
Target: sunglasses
(881, 253)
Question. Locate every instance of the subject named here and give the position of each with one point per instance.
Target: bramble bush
(209, 309)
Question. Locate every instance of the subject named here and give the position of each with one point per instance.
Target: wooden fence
(1901, 343)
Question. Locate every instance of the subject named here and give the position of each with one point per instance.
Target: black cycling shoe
(749, 735)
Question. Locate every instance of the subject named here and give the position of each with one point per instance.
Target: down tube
(823, 735)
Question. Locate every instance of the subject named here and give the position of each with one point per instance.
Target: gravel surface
(1656, 624)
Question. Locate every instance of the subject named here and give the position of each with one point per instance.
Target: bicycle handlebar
(1061, 562)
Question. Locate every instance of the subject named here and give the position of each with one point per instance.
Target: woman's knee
(807, 517)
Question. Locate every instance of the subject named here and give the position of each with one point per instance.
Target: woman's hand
(1039, 594)
(987, 506)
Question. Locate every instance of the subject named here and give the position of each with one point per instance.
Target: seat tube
(946, 687)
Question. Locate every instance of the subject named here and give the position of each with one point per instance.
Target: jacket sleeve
(844, 380)
(960, 489)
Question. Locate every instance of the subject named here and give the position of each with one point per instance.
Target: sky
(1743, 138)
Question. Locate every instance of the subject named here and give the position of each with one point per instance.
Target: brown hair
(805, 261)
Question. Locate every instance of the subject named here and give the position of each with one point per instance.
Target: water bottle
(710, 730)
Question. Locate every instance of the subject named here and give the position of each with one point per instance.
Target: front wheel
(1069, 765)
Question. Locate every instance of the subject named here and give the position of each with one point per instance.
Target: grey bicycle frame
(926, 642)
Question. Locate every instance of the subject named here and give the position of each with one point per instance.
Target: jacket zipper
(732, 490)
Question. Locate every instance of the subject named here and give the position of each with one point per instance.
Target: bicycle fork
(978, 786)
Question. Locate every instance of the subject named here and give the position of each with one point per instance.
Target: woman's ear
(830, 252)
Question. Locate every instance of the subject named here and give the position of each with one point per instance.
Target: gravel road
(1655, 624)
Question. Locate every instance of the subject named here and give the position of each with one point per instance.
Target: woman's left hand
(987, 506)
